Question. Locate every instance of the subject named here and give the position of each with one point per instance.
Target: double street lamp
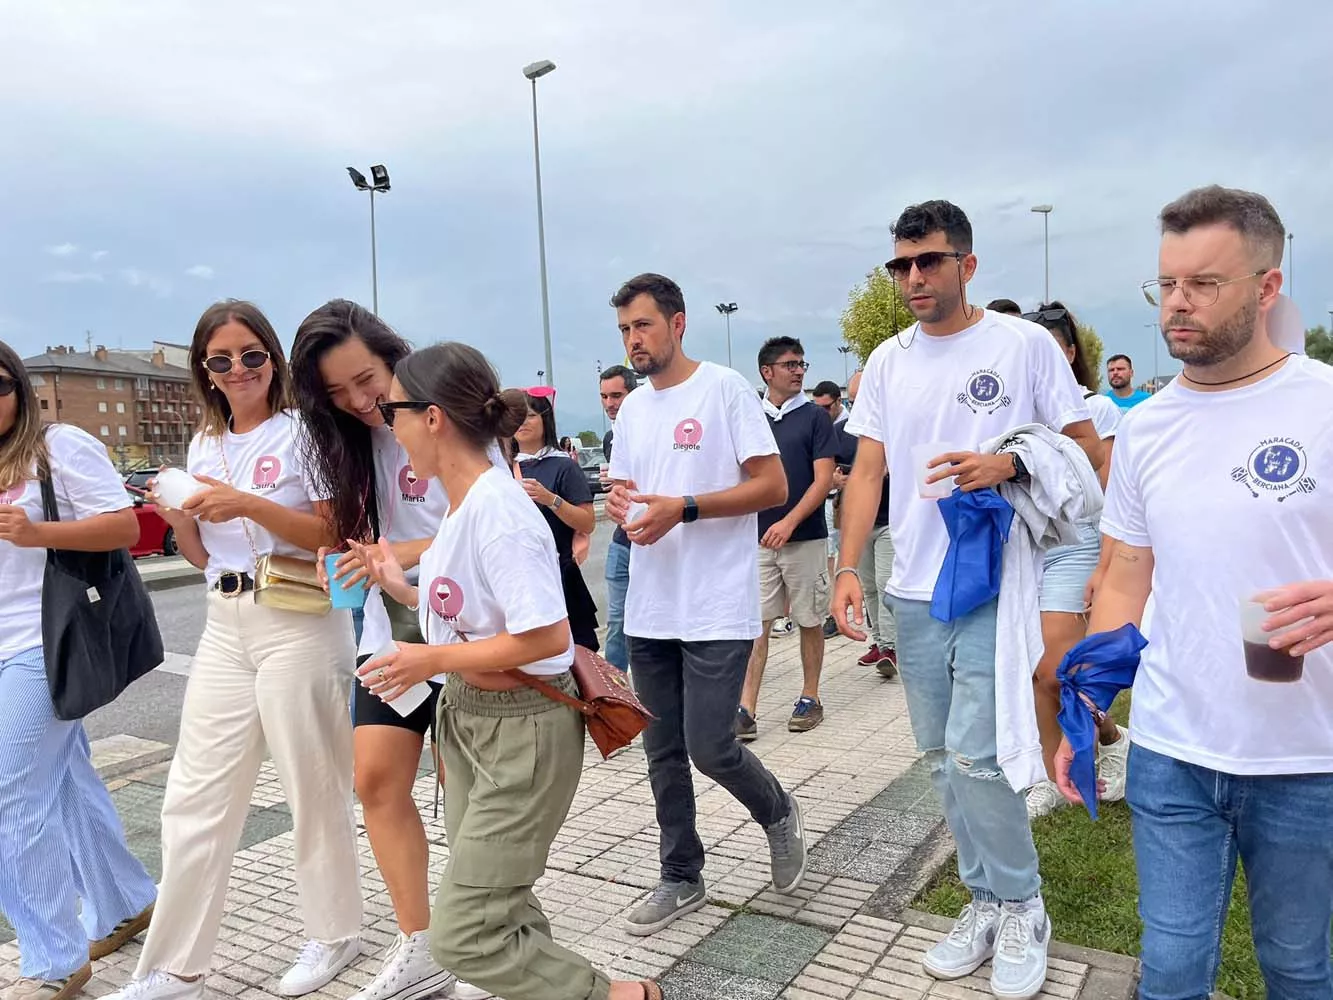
(378, 184)
(726, 309)
(534, 72)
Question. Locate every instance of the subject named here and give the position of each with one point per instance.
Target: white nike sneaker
(1044, 798)
(317, 965)
(967, 945)
(1113, 767)
(1023, 935)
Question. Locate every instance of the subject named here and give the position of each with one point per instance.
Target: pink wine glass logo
(446, 597)
(267, 470)
(410, 484)
(689, 433)
(12, 494)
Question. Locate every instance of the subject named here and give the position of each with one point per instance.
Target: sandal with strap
(651, 991)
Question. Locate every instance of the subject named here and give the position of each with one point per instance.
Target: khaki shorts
(794, 580)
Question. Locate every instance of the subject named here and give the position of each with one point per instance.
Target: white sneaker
(970, 943)
(1113, 767)
(408, 973)
(466, 991)
(1018, 968)
(159, 986)
(782, 627)
(1044, 799)
(317, 965)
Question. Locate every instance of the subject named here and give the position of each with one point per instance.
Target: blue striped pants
(61, 841)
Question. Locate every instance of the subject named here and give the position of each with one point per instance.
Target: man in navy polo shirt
(793, 537)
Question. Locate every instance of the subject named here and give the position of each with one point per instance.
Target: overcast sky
(162, 154)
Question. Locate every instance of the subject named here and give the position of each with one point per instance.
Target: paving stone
(762, 947)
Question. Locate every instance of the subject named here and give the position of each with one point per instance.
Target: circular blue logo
(984, 388)
(1276, 464)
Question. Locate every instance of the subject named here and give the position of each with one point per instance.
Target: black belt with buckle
(234, 584)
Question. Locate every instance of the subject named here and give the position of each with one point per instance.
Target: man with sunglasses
(793, 537)
(960, 376)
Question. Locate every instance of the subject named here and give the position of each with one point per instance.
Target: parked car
(591, 461)
(155, 535)
(138, 479)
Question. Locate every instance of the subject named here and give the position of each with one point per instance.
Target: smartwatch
(557, 503)
(691, 512)
(1020, 470)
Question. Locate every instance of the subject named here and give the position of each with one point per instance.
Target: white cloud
(199, 271)
(136, 278)
(62, 250)
(99, 254)
(74, 277)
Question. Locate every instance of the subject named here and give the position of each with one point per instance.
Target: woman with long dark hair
(1068, 568)
(559, 488)
(342, 366)
(265, 678)
(492, 610)
(62, 847)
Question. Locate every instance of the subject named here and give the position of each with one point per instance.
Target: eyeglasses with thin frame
(791, 366)
(220, 364)
(390, 410)
(926, 263)
(8, 385)
(1198, 291)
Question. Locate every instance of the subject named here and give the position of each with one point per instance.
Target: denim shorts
(1068, 570)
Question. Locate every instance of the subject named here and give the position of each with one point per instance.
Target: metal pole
(1291, 265)
(541, 238)
(374, 265)
(1157, 339)
(1046, 242)
(728, 318)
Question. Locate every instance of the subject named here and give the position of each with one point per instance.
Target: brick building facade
(140, 407)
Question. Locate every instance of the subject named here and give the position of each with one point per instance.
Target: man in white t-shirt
(960, 376)
(1220, 493)
(694, 463)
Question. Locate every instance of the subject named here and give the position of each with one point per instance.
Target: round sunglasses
(220, 364)
(8, 385)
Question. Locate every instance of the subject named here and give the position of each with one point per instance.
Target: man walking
(694, 463)
(875, 569)
(793, 536)
(1120, 373)
(1226, 761)
(959, 376)
(617, 382)
(828, 397)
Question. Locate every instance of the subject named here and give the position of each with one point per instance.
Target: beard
(1219, 344)
(946, 305)
(654, 365)
(1118, 381)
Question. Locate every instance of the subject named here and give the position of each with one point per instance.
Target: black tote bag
(99, 632)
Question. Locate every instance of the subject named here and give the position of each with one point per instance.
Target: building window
(120, 384)
(155, 410)
(141, 384)
(101, 383)
(46, 407)
(120, 408)
(106, 431)
(60, 404)
(157, 429)
(122, 430)
(101, 408)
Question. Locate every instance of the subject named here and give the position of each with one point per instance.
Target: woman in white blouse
(59, 831)
(264, 680)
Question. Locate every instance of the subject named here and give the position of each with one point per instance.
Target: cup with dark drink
(1262, 661)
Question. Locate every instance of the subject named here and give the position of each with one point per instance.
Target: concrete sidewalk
(873, 826)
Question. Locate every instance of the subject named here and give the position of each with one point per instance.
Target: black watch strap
(691, 512)
(1020, 470)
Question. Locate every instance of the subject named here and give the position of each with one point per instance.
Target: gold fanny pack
(290, 584)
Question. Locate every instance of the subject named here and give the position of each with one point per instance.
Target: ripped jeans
(948, 673)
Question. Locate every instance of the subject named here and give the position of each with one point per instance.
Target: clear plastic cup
(1262, 662)
(921, 456)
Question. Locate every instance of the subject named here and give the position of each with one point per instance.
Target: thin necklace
(1242, 378)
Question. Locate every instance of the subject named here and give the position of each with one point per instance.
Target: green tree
(589, 439)
(1319, 344)
(1094, 350)
(875, 312)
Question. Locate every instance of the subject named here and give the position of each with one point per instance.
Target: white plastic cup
(1262, 662)
(636, 510)
(604, 473)
(921, 456)
(411, 699)
(175, 486)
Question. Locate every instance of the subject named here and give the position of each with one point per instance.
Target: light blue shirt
(1128, 402)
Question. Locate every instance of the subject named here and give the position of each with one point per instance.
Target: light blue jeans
(61, 840)
(617, 585)
(1190, 825)
(948, 672)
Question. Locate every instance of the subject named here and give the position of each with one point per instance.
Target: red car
(155, 535)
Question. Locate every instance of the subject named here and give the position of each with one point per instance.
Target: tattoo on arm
(1126, 553)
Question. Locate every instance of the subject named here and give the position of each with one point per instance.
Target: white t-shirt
(409, 508)
(958, 390)
(701, 581)
(86, 484)
(492, 568)
(267, 462)
(1105, 414)
(1233, 492)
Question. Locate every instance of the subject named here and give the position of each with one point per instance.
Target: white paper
(411, 699)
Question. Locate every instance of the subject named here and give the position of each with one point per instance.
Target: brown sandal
(651, 991)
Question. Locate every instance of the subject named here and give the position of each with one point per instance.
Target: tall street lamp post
(378, 184)
(534, 72)
(726, 309)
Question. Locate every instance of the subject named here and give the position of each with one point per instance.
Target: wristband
(847, 569)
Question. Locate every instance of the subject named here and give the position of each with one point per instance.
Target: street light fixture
(1045, 211)
(844, 351)
(726, 309)
(534, 72)
(378, 184)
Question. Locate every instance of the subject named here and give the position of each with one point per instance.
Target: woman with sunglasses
(558, 486)
(264, 678)
(62, 847)
(342, 366)
(1068, 569)
(491, 608)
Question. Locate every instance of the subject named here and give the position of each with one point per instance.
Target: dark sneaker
(870, 657)
(667, 902)
(786, 849)
(888, 664)
(807, 714)
(830, 628)
(746, 728)
(121, 935)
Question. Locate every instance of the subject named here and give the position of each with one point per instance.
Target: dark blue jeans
(693, 689)
(1190, 824)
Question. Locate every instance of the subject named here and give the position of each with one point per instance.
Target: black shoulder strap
(50, 511)
(1089, 394)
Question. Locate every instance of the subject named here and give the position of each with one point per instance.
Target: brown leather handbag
(610, 709)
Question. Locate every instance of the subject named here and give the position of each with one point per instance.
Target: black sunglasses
(220, 364)
(8, 385)
(901, 267)
(1047, 315)
(390, 410)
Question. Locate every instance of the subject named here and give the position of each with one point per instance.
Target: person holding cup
(343, 357)
(1218, 507)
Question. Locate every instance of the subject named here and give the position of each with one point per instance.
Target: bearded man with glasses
(960, 376)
